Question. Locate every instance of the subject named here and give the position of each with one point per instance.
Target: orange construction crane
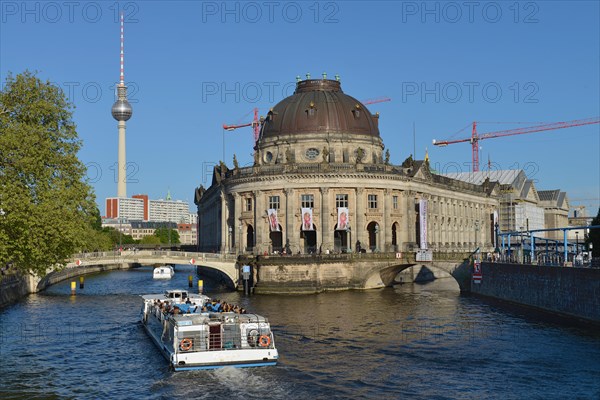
(475, 137)
(255, 124)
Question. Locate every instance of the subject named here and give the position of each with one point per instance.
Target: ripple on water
(421, 342)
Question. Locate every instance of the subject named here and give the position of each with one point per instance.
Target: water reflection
(417, 341)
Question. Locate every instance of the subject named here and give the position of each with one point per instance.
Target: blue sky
(192, 66)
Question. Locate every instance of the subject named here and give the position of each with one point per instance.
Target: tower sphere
(121, 110)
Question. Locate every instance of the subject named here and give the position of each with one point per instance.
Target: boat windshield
(176, 294)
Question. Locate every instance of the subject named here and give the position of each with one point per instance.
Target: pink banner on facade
(273, 222)
(343, 221)
(307, 219)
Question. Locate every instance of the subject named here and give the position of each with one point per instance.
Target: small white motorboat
(164, 272)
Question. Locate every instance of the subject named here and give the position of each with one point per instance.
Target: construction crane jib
(476, 137)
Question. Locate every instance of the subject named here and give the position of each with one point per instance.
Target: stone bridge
(87, 263)
(277, 274)
(317, 273)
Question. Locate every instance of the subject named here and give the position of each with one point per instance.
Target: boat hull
(213, 359)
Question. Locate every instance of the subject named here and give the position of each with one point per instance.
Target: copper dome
(319, 106)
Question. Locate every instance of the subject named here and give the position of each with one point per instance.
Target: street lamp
(349, 239)
(496, 231)
(120, 235)
(522, 245)
(576, 245)
(169, 225)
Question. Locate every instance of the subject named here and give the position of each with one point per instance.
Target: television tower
(121, 111)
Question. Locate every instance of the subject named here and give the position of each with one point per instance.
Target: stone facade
(556, 211)
(321, 149)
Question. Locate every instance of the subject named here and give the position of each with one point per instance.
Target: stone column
(198, 225)
(359, 229)
(326, 233)
(386, 223)
(237, 221)
(446, 225)
(411, 219)
(224, 216)
(403, 235)
(259, 222)
(290, 219)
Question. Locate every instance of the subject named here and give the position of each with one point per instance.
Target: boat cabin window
(176, 294)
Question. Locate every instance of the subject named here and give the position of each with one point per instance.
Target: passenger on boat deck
(176, 310)
(188, 301)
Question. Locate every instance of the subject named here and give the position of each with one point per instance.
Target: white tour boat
(163, 272)
(191, 338)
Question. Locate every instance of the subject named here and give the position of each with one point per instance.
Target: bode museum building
(322, 181)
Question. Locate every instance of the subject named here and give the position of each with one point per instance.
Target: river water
(411, 341)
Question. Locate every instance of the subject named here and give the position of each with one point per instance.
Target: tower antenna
(122, 111)
(122, 82)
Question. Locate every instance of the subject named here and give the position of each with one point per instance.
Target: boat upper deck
(185, 309)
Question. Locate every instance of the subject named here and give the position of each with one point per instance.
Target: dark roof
(319, 106)
(555, 196)
(549, 195)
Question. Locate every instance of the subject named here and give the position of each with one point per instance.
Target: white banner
(343, 221)
(273, 222)
(423, 223)
(307, 219)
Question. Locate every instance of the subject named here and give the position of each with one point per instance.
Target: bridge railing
(551, 260)
(137, 254)
(404, 257)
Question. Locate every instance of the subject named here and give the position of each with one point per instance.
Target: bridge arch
(383, 275)
(87, 263)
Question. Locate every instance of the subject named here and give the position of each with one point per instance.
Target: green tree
(117, 238)
(46, 205)
(163, 235)
(98, 240)
(150, 239)
(97, 223)
(594, 236)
